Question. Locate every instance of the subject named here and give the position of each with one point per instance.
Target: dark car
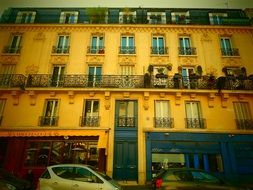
(189, 179)
(8, 181)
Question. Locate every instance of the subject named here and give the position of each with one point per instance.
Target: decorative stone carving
(107, 100)
(231, 61)
(32, 69)
(159, 60)
(146, 99)
(39, 36)
(10, 59)
(15, 96)
(178, 97)
(205, 37)
(188, 60)
(127, 60)
(59, 59)
(32, 97)
(71, 95)
(224, 100)
(211, 100)
(95, 59)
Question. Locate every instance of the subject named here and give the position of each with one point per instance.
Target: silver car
(75, 177)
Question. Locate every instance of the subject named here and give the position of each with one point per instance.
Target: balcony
(163, 122)
(11, 50)
(187, 51)
(230, 52)
(127, 50)
(60, 50)
(48, 121)
(159, 50)
(1, 119)
(96, 50)
(195, 123)
(12, 80)
(244, 124)
(89, 121)
(123, 121)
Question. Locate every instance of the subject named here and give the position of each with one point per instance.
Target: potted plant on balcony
(97, 15)
(161, 73)
(169, 67)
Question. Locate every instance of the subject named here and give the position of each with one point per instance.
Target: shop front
(29, 151)
(224, 154)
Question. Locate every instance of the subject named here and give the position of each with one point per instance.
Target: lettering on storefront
(32, 133)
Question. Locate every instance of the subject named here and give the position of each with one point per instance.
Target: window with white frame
(2, 104)
(158, 45)
(62, 44)
(127, 17)
(216, 18)
(227, 48)
(156, 17)
(127, 45)
(25, 17)
(14, 46)
(69, 17)
(193, 115)
(162, 114)
(185, 46)
(58, 75)
(97, 44)
(187, 72)
(180, 17)
(7, 72)
(126, 70)
(95, 76)
(243, 115)
(90, 113)
(50, 113)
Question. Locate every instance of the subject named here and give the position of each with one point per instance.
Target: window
(125, 113)
(185, 46)
(25, 17)
(62, 44)
(2, 104)
(127, 45)
(193, 115)
(187, 73)
(97, 45)
(126, 70)
(226, 47)
(58, 76)
(127, 17)
(14, 45)
(90, 113)
(216, 18)
(243, 115)
(180, 17)
(162, 114)
(7, 72)
(158, 44)
(69, 17)
(161, 76)
(156, 18)
(50, 113)
(95, 76)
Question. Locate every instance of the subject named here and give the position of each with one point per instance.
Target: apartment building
(127, 90)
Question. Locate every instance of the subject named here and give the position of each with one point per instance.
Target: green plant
(169, 66)
(97, 14)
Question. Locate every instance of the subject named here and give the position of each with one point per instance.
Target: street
(136, 187)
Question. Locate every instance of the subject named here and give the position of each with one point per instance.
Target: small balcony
(244, 124)
(11, 50)
(60, 49)
(96, 50)
(127, 50)
(159, 50)
(48, 121)
(89, 121)
(163, 122)
(12, 80)
(195, 123)
(187, 51)
(230, 52)
(123, 121)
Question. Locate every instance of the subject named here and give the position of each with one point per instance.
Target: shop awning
(45, 132)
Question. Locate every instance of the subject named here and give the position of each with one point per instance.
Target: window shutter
(76, 17)
(33, 17)
(19, 17)
(62, 17)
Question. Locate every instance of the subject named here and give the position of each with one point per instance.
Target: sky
(242, 4)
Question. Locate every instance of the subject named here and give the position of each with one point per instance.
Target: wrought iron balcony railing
(195, 123)
(230, 51)
(187, 51)
(48, 121)
(163, 122)
(246, 124)
(60, 49)
(96, 49)
(123, 121)
(1, 119)
(89, 121)
(127, 50)
(159, 50)
(12, 50)
(12, 80)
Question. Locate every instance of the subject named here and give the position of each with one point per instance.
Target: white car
(75, 177)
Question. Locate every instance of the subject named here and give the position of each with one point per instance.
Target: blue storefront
(226, 154)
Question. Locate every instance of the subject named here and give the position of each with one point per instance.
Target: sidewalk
(132, 185)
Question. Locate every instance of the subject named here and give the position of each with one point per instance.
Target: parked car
(75, 176)
(8, 181)
(189, 179)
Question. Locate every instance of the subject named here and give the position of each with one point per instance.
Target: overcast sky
(128, 3)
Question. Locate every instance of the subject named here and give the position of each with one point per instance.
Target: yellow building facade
(127, 98)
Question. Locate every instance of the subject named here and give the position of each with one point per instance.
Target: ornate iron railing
(12, 80)
(89, 121)
(127, 50)
(159, 50)
(1, 118)
(187, 51)
(60, 49)
(246, 124)
(163, 122)
(126, 121)
(96, 49)
(230, 51)
(48, 121)
(195, 123)
(12, 50)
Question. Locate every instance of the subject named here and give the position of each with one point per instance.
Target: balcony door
(63, 44)
(6, 75)
(58, 76)
(50, 112)
(97, 44)
(186, 72)
(193, 115)
(185, 45)
(127, 45)
(15, 44)
(90, 114)
(158, 45)
(95, 75)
